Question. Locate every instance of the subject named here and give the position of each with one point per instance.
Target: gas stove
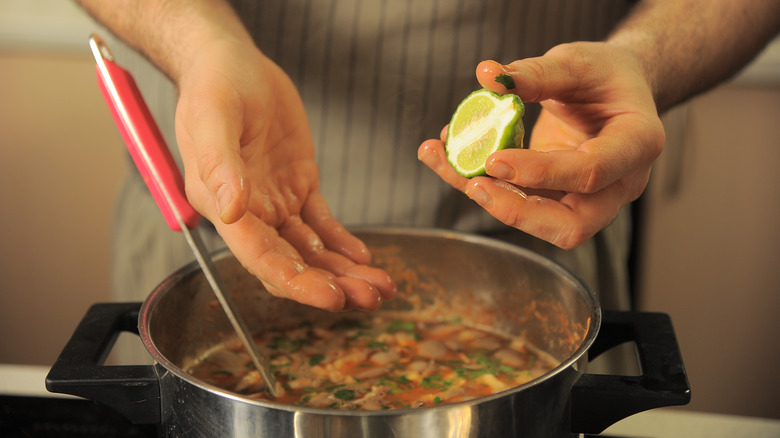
(28, 410)
(24, 416)
(61, 417)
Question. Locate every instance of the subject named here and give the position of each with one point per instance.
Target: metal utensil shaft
(210, 272)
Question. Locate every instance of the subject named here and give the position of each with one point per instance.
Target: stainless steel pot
(481, 281)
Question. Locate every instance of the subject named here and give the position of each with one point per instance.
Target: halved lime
(483, 123)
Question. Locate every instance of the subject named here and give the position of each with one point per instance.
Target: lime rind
(469, 140)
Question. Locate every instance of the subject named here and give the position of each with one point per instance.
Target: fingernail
(224, 196)
(480, 196)
(500, 170)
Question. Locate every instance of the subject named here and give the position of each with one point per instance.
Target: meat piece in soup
(381, 363)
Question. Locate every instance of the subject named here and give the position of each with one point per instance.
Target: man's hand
(249, 168)
(589, 154)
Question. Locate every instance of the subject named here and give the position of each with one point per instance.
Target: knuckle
(657, 147)
(572, 238)
(540, 75)
(208, 163)
(533, 176)
(511, 217)
(592, 178)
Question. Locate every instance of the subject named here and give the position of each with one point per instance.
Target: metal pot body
(482, 282)
(541, 410)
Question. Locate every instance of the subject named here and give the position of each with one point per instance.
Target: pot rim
(594, 325)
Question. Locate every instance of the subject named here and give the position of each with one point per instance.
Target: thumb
(217, 181)
(230, 191)
(534, 79)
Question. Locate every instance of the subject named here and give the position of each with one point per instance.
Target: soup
(377, 362)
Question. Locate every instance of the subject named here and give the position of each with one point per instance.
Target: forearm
(689, 46)
(168, 32)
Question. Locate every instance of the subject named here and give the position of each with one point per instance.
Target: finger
(309, 245)
(209, 137)
(315, 253)
(375, 277)
(567, 220)
(628, 143)
(275, 262)
(376, 284)
(535, 79)
(536, 215)
(318, 252)
(431, 152)
(335, 237)
(359, 291)
(359, 294)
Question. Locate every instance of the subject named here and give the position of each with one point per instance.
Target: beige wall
(712, 247)
(61, 160)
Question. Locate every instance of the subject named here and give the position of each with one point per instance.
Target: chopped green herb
(435, 382)
(471, 374)
(401, 326)
(286, 344)
(316, 359)
(222, 373)
(277, 367)
(344, 394)
(431, 382)
(506, 81)
(378, 345)
(437, 400)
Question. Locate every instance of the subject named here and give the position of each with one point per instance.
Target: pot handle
(598, 401)
(132, 390)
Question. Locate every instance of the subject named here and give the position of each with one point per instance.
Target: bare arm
(686, 47)
(169, 32)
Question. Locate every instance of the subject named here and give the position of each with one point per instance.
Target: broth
(378, 362)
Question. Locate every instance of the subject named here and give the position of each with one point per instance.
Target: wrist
(203, 36)
(641, 49)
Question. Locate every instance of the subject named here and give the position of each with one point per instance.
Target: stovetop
(33, 417)
(48, 417)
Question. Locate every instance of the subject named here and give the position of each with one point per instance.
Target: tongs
(158, 168)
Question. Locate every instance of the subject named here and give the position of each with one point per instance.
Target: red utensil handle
(145, 142)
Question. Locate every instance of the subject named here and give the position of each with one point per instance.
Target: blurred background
(708, 242)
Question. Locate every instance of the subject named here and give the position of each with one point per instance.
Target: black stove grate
(34, 417)
(42, 417)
